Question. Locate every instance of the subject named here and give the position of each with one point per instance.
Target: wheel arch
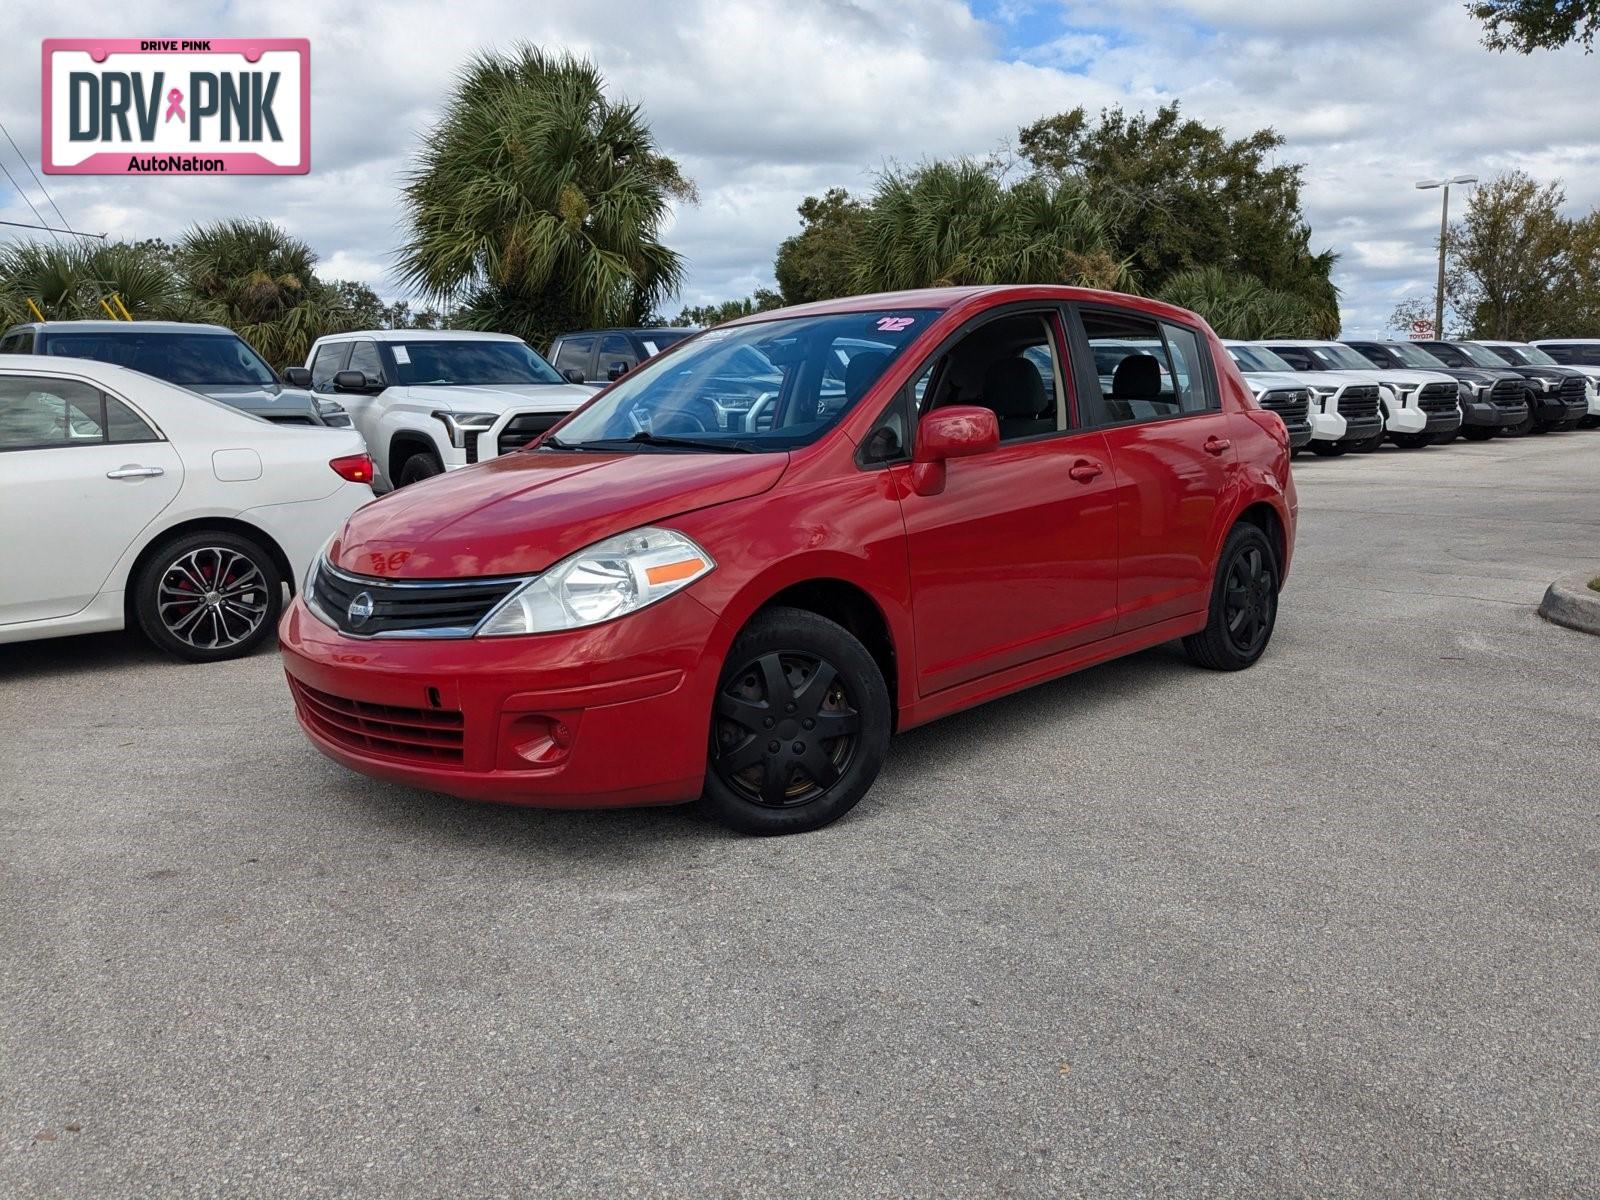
(404, 443)
(1266, 518)
(223, 524)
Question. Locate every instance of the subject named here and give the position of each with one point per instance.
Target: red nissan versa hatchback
(737, 570)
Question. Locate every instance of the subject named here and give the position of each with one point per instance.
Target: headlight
(308, 589)
(461, 425)
(609, 579)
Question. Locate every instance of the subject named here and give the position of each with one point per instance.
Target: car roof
(1566, 342)
(640, 330)
(414, 335)
(123, 327)
(1305, 342)
(62, 364)
(953, 297)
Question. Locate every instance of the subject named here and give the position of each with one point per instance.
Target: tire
(1477, 433)
(1444, 439)
(1589, 423)
(422, 465)
(1528, 424)
(1368, 445)
(786, 668)
(1329, 449)
(1414, 441)
(1565, 426)
(1244, 604)
(222, 622)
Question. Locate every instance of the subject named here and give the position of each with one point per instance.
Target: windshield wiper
(555, 443)
(645, 438)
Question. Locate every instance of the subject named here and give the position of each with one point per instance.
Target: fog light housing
(539, 739)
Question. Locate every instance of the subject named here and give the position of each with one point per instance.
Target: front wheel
(1329, 449)
(1244, 604)
(207, 596)
(1368, 445)
(421, 465)
(1444, 439)
(1477, 433)
(800, 725)
(1413, 441)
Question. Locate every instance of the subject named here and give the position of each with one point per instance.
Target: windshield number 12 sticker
(895, 324)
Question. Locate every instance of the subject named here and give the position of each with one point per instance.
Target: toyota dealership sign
(208, 106)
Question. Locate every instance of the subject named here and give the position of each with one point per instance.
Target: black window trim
(105, 394)
(1088, 376)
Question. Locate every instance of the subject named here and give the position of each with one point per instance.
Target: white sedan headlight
(610, 579)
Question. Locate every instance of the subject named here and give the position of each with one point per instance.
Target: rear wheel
(800, 725)
(1413, 441)
(1329, 449)
(422, 465)
(1244, 604)
(208, 596)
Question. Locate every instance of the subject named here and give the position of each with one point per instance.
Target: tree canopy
(537, 202)
(1529, 25)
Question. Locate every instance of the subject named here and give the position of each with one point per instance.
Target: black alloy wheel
(799, 726)
(1244, 604)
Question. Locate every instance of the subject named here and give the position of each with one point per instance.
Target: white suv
(429, 401)
(1400, 391)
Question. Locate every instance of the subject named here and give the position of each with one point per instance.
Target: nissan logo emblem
(360, 610)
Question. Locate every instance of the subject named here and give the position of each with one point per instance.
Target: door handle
(1216, 445)
(1085, 470)
(135, 473)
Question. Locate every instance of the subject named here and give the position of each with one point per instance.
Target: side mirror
(354, 381)
(616, 370)
(298, 377)
(960, 431)
(572, 375)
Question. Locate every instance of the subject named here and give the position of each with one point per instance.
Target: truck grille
(1292, 404)
(420, 734)
(1509, 393)
(1437, 398)
(410, 608)
(1574, 393)
(523, 428)
(1359, 402)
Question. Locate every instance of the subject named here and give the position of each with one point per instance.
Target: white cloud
(766, 101)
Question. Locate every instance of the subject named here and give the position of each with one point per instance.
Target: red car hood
(519, 514)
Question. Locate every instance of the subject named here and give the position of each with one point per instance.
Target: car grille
(1574, 393)
(418, 734)
(1359, 402)
(1509, 393)
(1292, 404)
(413, 608)
(1437, 398)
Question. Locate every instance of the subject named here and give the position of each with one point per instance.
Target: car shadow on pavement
(61, 656)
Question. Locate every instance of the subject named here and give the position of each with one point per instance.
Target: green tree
(959, 222)
(1506, 256)
(253, 277)
(537, 202)
(707, 315)
(816, 263)
(67, 280)
(1240, 306)
(1177, 195)
(1529, 25)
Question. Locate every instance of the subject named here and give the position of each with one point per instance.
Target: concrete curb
(1573, 603)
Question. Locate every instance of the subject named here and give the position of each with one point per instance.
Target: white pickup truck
(429, 401)
(1332, 430)
(1405, 395)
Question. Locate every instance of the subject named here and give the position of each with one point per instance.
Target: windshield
(1258, 358)
(464, 363)
(1414, 356)
(1482, 356)
(186, 359)
(1338, 358)
(1526, 356)
(767, 386)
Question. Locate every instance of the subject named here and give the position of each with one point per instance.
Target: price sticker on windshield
(401, 355)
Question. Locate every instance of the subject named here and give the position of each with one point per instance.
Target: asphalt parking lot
(1331, 926)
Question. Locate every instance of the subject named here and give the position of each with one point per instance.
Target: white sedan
(125, 500)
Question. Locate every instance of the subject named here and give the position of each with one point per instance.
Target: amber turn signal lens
(672, 572)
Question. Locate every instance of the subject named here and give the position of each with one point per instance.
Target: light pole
(1444, 232)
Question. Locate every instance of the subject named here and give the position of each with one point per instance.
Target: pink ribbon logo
(175, 105)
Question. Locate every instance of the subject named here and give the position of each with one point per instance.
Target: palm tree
(1241, 306)
(537, 202)
(959, 222)
(68, 280)
(256, 279)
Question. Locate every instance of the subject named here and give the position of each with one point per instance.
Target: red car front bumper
(618, 714)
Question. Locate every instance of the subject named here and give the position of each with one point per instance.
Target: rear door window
(328, 362)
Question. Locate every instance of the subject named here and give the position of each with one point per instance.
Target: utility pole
(1444, 233)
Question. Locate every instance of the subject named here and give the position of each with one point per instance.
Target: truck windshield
(1258, 358)
(1414, 356)
(772, 385)
(1526, 356)
(462, 362)
(186, 359)
(1481, 356)
(1338, 358)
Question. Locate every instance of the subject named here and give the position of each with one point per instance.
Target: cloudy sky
(765, 101)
